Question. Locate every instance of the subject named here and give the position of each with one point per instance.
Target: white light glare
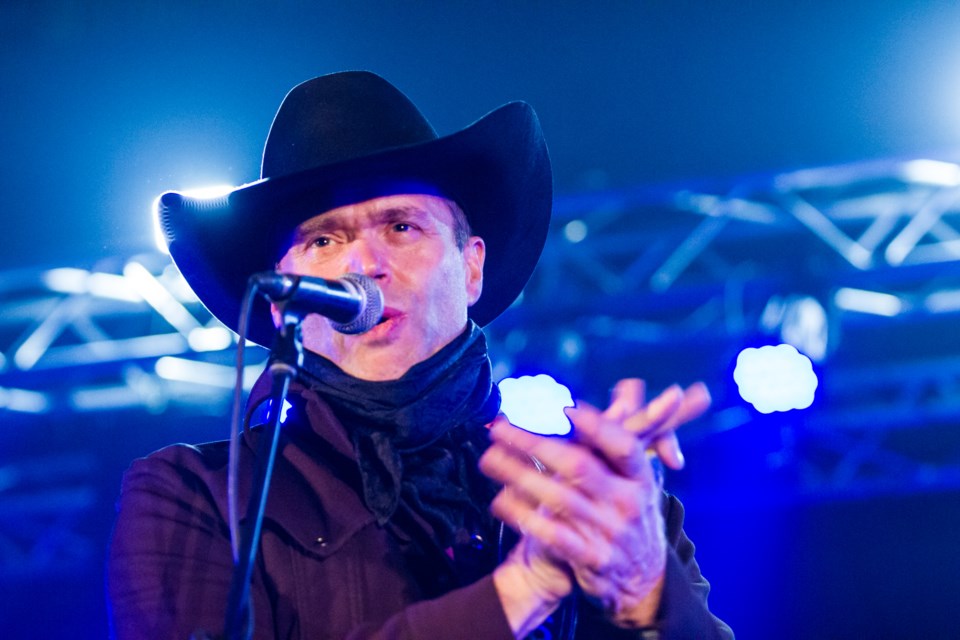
(23, 401)
(284, 413)
(804, 325)
(934, 172)
(104, 398)
(210, 192)
(943, 301)
(536, 403)
(66, 280)
(775, 378)
(205, 373)
(575, 231)
(81, 281)
(210, 339)
(873, 302)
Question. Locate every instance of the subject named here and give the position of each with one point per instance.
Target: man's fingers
(577, 467)
(622, 444)
(650, 427)
(560, 539)
(628, 397)
(657, 424)
(500, 463)
(620, 449)
(649, 422)
(668, 411)
(696, 401)
(667, 448)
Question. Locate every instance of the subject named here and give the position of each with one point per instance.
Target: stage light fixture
(575, 231)
(775, 378)
(536, 403)
(802, 322)
(264, 413)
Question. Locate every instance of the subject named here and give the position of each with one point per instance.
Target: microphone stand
(286, 358)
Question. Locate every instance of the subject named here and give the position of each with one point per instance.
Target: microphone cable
(233, 458)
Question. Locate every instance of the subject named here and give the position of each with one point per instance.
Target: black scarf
(418, 438)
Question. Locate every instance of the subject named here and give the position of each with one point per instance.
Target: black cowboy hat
(347, 137)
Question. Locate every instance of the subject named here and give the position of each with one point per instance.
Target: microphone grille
(371, 307)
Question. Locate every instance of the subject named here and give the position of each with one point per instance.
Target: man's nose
(364, 256)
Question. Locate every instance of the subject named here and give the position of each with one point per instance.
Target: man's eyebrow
(315, 226)
(327, 224)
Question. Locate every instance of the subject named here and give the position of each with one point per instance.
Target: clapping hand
(588, 507)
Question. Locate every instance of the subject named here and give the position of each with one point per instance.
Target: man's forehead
(383, 209)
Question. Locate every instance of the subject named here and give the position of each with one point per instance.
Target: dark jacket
(325, 569)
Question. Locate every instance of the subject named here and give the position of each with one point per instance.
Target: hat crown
(338, 117)
(348, 137)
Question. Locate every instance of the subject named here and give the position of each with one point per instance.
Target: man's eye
(402, 226)
(322, 241)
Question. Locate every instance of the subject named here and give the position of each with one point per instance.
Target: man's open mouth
(389, 313)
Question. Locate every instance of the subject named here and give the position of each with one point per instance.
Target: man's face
(406, 244)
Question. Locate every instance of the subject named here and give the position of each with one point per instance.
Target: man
(378, 521)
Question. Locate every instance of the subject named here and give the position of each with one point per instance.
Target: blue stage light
(536, 403)
(284, 411)
(775, 378)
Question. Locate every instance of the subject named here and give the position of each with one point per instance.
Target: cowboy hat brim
(497, 169)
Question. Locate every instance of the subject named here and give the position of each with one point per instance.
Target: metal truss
(116, 336)
(809, 230)
(77, 345)
(858, 265)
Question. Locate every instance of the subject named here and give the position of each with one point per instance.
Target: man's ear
(474, 254)
(275, 314)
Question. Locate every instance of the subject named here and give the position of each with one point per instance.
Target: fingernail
(706, 392)
(670, 395)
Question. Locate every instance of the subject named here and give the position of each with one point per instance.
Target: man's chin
(377, 365)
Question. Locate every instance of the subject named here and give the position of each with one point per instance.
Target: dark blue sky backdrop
(106, 104)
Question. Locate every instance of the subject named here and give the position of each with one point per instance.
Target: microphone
(353, 303)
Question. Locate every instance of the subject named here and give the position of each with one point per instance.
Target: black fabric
(339, 117)
(418, 438)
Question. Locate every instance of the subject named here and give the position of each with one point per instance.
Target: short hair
(461, 226)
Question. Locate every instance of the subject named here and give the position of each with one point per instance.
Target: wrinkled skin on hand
(591, 512)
